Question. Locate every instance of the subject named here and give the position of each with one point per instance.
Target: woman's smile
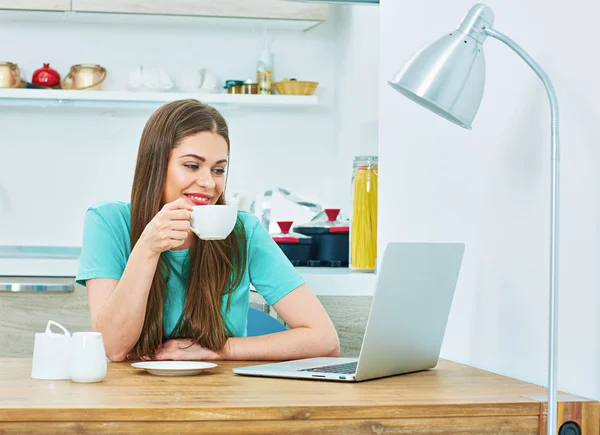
(198, 198)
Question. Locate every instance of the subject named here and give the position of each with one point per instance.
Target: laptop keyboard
(345, 369)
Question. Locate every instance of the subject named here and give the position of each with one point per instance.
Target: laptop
(406, 324)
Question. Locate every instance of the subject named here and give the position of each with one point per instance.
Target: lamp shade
(341, 2)
(448, 75)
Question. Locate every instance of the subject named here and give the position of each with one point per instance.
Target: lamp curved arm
(545, 80)
(554, 180)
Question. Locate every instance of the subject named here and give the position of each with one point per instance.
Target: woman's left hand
(184, 349)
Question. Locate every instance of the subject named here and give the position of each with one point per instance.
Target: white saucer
(174, 368)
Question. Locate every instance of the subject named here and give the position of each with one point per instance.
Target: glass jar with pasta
(363, 233)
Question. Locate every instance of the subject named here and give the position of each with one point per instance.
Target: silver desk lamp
(447, 77)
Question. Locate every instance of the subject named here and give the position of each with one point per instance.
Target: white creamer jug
(88, 357)
(51, 354)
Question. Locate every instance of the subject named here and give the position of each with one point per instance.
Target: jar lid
(250, 82)
(327, 223)
(366, 160)
(286, 236)
(231, 83)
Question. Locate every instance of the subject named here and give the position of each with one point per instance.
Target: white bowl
(213, 222)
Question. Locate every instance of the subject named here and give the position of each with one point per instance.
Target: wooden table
(452, 398)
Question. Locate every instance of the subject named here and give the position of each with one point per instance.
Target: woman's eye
(219, 171)
(191, 165)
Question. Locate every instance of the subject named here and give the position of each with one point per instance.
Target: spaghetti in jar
(363, 233)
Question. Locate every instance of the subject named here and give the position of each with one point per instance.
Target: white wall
(489, 187)
(356, 72)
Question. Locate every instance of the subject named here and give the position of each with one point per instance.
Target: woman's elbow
(116, 356)
(116, 353)
(333, 347)
(325, 343)
(335, 351)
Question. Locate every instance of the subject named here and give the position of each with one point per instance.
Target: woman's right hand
(169, 228)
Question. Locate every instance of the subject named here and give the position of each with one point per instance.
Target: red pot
(46, 77)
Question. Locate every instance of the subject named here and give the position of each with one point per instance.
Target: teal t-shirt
(106, 249)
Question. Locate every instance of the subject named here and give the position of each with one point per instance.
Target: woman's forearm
(291, 344)
(122, 317)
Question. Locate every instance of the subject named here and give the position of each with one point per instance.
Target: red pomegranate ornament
(46, 77)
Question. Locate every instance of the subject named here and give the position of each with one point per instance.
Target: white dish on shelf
(174, 368)
(154, 79)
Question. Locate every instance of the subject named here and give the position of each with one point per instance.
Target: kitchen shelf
(116, 99)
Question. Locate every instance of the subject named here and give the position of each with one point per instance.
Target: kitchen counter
(333, 281)
(324, 281)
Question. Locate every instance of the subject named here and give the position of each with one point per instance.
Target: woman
(156, 291)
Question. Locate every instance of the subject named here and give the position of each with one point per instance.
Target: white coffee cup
(150, 78)
(88, 357)
(203, 80)
(189, 80)
(209, 81)
(51, 352)
(213, 222)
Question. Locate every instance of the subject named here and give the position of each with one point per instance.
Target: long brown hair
(213, 268)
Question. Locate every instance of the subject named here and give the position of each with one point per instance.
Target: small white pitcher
(88, 357)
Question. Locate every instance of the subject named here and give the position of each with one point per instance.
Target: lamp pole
(554, 202)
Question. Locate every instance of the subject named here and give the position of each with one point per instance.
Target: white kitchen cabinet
(37, 5)
(272, 14)
(270, 9)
